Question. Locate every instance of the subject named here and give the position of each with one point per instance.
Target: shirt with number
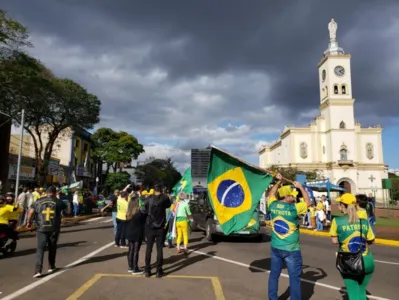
(285, 223)
(48, 214)
(5, 212)
(348, 234)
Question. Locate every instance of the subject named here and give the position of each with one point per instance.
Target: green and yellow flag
(234, 190)
(184, 185)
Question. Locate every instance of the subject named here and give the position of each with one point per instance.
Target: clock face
(323, 75)
(339, 71)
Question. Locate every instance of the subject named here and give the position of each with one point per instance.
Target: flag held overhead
(234, 189)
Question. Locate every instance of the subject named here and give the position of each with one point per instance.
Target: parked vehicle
(204, 219)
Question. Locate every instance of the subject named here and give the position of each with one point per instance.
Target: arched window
(326, 91)
(323, 93)
(335, 89)
(343, 89)
(344, 154)
(342, 125)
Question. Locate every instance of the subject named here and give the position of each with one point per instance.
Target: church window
(326, 91)
(323, 92)
(342, 125)
(343, 89)
(335, 89)
(344, 154)
(324, 150)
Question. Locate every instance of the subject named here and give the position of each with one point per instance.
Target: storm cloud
(182, 74)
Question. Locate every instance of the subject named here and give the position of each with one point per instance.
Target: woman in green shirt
(345, 231)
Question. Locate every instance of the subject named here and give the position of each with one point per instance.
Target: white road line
(386, 262)
(92, 220)
(51, 276)
(107, 221)
(282, 274)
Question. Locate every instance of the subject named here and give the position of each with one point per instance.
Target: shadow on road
(311, 274)
(33, 251)
(261, 265)
(264, 238)
(107, 257)
(184, 261)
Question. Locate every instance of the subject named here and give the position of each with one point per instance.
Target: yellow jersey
(121, 206)
(5, 212)
(35, 196)
(13, 216)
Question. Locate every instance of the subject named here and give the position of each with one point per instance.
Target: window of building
(336, 89)
(344, 154)
(326, 91)
(77, 143)
(342, 125)
(343, 89)
(85, 146)
(324, 150)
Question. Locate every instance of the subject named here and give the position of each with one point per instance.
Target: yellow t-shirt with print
(121, 206)
(320, 206)
(348, 234)
(5, 212)
(15, 214)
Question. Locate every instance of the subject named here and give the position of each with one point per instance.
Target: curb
(392, 243)
(63, 221)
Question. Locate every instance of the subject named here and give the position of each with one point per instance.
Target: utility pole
(21, 141)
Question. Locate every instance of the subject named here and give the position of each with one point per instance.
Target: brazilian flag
(185, 184)
(234, 190)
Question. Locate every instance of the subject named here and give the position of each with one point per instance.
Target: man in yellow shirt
(5, 211)
(13, 216)
(36, 195)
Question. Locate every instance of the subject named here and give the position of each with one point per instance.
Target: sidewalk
(69, 220)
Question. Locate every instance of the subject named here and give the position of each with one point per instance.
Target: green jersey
(285, 223)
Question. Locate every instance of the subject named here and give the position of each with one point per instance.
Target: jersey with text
(285, 223)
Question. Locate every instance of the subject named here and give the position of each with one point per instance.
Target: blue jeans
(293, 261)
(75, 209)
(114, 222)
(319, 224)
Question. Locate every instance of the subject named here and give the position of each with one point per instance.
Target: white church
(346, 153)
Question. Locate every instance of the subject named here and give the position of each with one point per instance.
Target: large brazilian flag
(234, 189)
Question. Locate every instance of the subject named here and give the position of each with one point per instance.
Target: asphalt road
(91, 268)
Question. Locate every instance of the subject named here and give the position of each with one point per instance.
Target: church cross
(371, 178)
(48, 212)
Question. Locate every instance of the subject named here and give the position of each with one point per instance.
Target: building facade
(334, 143)
(200, 159)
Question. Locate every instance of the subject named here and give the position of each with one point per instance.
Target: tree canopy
(51, 104)
(117, 181)
(115, 148)
(290, 173)
(158, 171)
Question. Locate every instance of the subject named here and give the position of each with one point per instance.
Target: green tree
(158, 171)
(117, 181)
(290, 173)
(52, 105)
(115, 148)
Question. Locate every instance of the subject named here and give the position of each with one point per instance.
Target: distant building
(200, 159)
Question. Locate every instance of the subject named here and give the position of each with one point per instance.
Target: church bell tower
(335, 82)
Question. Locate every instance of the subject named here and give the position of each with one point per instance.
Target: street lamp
(19, 150)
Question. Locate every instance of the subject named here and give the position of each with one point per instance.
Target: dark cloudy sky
(183, 74)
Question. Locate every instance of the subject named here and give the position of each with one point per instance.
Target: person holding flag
(182, 221)
(285, 247)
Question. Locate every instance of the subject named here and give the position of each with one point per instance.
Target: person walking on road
(285, 247)
(345, 231)
(135, 220)
(47, 212)
(113, 199)
(122, 203)
(155, 206)
(183, 217)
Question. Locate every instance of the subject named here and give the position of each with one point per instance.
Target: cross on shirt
(48, 212)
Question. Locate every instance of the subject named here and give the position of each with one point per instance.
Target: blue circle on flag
(357, 243)
(281, 227)
(230, 193)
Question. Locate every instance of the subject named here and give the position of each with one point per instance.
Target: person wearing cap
(183, 217)
(5, 211)
(13, 216)
(345, 231)
(285, 247)
(320, 216)
(47, 212)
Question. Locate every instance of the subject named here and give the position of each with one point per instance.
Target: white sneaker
(37, 275)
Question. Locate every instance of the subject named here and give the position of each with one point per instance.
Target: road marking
(387, 262)
(282, 274)
(107, 221)
(92, 220)
(51, 276)
(217, 287)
